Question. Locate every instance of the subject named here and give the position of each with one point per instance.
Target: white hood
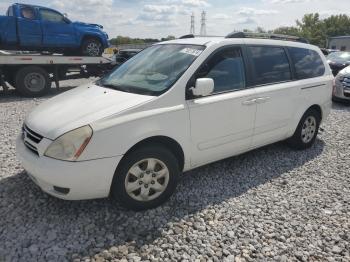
(345, 71)
(78, 107)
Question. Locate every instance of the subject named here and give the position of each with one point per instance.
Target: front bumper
(341, 92)
(85, 179)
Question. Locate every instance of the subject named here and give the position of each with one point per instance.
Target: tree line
(311, 27)
(318, 30)
(122, 40)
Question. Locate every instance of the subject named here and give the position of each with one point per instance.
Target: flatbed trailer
(32, 74)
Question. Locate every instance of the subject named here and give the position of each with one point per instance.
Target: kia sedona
(174, 106)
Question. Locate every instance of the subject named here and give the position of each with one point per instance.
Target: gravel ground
(272, 204)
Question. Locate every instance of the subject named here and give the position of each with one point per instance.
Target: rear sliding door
(276, 93)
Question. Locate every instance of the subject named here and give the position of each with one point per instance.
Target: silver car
(341, 90)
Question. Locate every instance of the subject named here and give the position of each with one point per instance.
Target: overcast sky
(156, 18)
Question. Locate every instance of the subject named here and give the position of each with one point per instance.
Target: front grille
(31, 139)
(346, 82)
(346, 85)
(32, 135)
(31, 148)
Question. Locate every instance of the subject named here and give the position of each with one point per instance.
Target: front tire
(91, 47)
(145, 178)
(307, 130)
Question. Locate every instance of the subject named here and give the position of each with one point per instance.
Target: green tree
(259, 29)
(287, 30)
(311, 27)
(318, 30)
(337, 25)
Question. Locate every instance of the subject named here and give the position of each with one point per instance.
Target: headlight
(70, 145)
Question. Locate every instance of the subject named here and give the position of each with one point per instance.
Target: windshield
(339, 56)
(154, 70)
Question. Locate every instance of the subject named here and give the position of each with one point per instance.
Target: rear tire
(91, 47)
(307, 130)
(145, 178)
(32, 81)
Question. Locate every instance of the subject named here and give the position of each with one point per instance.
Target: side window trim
(10, 11)
(189, 96)
(253, 74)
(291, 64)
(248, 68)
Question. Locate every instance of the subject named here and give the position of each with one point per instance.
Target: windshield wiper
(115, 87)
(128, 89)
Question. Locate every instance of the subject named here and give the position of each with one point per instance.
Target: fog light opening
(61, 190)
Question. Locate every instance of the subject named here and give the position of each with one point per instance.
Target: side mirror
(203, 87)
(66, 19)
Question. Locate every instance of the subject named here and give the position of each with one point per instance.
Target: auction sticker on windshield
(191, 51)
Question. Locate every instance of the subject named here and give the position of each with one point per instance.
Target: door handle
(249, 102)
(260, 100)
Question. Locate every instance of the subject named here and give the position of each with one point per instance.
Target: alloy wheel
(308, 129)
(147, 179)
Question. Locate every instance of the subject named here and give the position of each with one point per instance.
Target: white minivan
(173, 107)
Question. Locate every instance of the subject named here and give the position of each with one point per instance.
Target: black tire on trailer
(32, 81)
(91, 47)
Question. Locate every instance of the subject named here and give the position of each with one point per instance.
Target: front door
(222, 123)
(57, 31)
(29, 28)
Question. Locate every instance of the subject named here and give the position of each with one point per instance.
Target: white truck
(31, 74)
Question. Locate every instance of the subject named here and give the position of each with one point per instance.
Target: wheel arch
(167, 142)
(90, 36)
(316, 108)
(300, 114)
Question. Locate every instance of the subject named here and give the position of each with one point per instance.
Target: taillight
(334, 87)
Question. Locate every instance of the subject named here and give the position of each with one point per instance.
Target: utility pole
(192, 31)
(203, 24)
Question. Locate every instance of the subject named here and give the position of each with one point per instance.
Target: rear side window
(28, 12)
(270, 64)
(308, 63)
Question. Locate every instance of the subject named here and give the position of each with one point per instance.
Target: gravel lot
(272, 204)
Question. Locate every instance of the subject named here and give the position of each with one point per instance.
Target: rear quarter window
(307, 63)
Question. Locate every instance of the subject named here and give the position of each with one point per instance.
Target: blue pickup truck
(35, 28)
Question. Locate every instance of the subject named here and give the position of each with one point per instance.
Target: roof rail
(194, 36)
(186, 36)
(267, 36)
